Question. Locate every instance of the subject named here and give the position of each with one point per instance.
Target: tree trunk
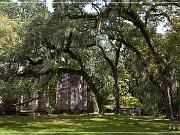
(116, 94)
(157, 110)
(167, 96)
(179, 112)
(10, 109)
(99, 96)
(114, 74)
(100, 103)
(95, 105)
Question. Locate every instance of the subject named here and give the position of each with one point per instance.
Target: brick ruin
(42, 103)
(71, 96)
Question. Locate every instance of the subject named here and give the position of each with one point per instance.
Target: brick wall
(71, 94)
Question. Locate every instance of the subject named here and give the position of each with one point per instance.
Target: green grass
(85, 124)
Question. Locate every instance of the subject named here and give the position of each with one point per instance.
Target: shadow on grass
(82, 123)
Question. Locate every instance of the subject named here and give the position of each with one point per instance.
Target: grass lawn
(86, 125)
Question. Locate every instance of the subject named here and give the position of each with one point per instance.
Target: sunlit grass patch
(84, 124)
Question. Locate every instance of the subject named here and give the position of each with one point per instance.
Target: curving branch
(135, 19)
(127, 44)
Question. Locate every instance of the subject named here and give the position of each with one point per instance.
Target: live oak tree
(72, 40)
(9, 39)
(132, 15)
(12, 54)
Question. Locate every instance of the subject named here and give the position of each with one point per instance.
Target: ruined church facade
(71, 94)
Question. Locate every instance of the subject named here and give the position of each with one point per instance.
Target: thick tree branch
(117, 49)
(131, 47)
(135, 19)
(127, 44)
(108, 60)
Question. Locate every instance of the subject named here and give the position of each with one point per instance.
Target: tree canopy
(117, 48)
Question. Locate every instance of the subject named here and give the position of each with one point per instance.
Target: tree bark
(114, 75)
(179, 112)
(136, 20)
(167, 96)
(117, 97)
